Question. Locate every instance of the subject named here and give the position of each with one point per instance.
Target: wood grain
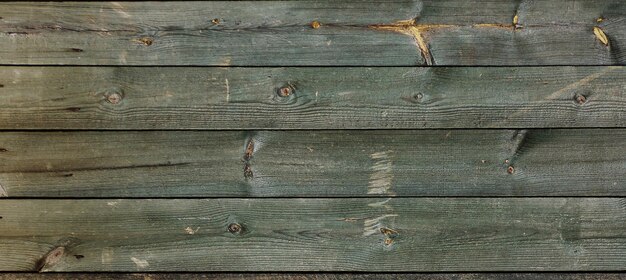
(317, 98)
(358, 234)
(314, 276)
(281, 33)
(563, 162)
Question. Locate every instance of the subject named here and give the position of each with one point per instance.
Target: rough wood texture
(312, 98)
(314, 276)
(358, 234)
(240, 33)
(587, 162)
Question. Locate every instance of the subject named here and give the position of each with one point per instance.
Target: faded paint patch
(106, 256)
(119, 9)
(382, 173)
(122, 58)
(225, 61)
(113, 203)
(381, 204)
(582, 82)
(227, 90)
(3, 191)
(558, 94)
(191, 231)
(139, 262)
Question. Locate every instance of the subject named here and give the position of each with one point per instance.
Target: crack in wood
(419, 32)
(99, 168)
(247, 156)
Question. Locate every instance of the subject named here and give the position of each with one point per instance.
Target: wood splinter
(600, 35)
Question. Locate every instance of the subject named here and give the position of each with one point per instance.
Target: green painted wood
(316, 98)
(358, 234)
(241, 33)
(314, 276)
(564, 162)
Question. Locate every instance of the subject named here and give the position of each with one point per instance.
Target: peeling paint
(191, 231)
(227, 90)
(3, 191)
(381, 179)
(119, 9)
(373, 225)
(140, 263)
(106, 256)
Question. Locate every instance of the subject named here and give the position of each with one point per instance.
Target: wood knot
(510, 169)
(415, 98)
(51, 258)
(114, 97)
(580, 99)
(234, 228)
(247, 155)
(285, 91)
(247, 171)
(389, 234)
(146, 41)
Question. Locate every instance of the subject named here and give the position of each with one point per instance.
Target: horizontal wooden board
(564, 162)
(292, 33)
(314, 276)
(311, 98)
(358, 234)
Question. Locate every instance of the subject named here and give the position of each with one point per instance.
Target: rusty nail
(234, 228)
(315, 24)
(388, 241)
(215, 21)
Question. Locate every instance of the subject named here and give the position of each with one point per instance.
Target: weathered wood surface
(314, 276)
(367, 33)
(564, 162)
(315, 98)
(358, 234)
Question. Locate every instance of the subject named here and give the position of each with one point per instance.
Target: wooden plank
(314, 276)
(358, 234)
(564, 162)
(313, 98)
(263, 33)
